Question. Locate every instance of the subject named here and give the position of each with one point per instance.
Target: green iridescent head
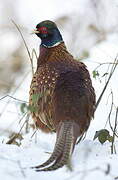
(48, 32)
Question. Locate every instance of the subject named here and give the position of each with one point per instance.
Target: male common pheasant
(65, 97)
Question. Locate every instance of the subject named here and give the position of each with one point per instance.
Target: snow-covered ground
(90, 161)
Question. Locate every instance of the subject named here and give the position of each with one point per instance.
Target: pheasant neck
(52, 41)
(51, 53)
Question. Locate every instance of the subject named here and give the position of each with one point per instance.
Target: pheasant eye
(43, 30)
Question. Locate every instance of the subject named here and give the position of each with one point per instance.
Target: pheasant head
(49, 33)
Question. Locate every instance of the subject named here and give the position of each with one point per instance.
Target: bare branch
(114, 130)
(25, 45)
(110, 75)
(13, 98)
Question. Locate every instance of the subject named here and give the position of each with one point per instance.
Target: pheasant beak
(35, 31)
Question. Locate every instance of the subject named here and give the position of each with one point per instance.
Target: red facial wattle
(42, 30)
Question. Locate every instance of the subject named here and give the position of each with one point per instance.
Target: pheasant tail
(67, 134)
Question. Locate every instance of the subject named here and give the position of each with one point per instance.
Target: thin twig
(34, 53)
(21, 169)
(109, 118)
(22, 117)
(115, 126)
(83, 172)
(13, 98)
(4, 108)
(25, 45)
(110, 75)
(106, 63)
(33, 133)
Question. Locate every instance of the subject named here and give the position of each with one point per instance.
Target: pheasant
(64, 100)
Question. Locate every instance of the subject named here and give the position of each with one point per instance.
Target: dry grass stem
(25, 46)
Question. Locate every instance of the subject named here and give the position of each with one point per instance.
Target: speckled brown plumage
(66, 101)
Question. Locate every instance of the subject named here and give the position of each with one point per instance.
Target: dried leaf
(15, 138)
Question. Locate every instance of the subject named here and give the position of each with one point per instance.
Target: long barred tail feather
(63, 148)
(57, 150)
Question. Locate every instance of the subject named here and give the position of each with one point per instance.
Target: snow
(90, 159)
